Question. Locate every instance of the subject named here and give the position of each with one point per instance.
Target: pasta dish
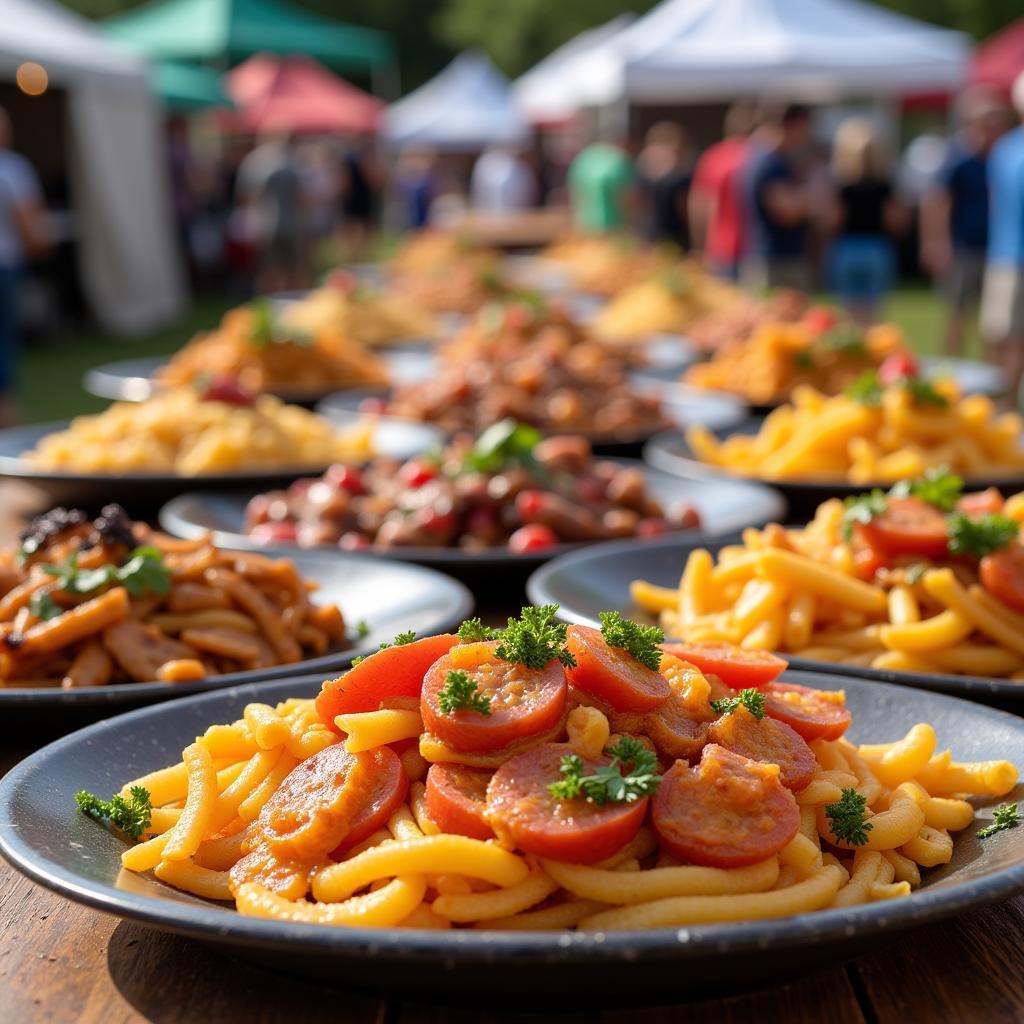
(545, 777)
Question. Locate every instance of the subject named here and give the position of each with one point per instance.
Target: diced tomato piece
(767, 740)
(380, 798)
(524, 702)
(726, 812)
(1002, 575)
(819, 319)
(908, 526)
(520, 807)
(867, 559)
(651, 527)
(224, 388)
(735, 666)
(273, 533)
(529, 504)
(982, 503)
(813, 714)
(612, 674)
(457, 800)
(896, 367)
(416, 472)
(532, 537)
(393, 672)
(346, 478)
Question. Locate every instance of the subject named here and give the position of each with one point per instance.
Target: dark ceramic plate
(717, 412)
(585, 583)
(670, 452)
(971, 375)
(44, 836)
(133, 380)
(143, 491)
(388, 596)
(725, 506)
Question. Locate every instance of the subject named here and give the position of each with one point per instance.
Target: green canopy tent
(187, 87)
(228, 31)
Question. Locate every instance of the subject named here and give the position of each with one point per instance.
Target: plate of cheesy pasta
(101, 611)
(541, 798)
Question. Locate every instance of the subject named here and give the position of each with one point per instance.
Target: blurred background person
(502, 181)
(866, 216)
(360, 188)
(1002, 297)
(602, 187)
(416, 185)
(954, 212)
(664, 171)
(715, 215)
(779, 205)
(23, 236)
(270, 187)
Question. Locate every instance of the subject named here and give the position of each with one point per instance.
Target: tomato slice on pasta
(767, 740)
(393, 672)
(1002, 575)
(612, 674)
(982, 503)
(813, 714)
(737, 667)
(520, 807)
(726, 812)
(908, 526)
(379, 799)
(523, 702)
(457, 800)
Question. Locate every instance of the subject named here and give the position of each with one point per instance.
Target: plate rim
(960, 687)
(208, 921)
(155, 691)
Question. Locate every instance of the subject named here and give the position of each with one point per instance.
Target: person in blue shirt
(1002, 300)
(779, 205)
(954, 212)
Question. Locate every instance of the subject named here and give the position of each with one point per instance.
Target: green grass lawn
(51, 373)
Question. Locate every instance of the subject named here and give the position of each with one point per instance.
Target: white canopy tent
(117, 175)
(695, 51)
(468, 106)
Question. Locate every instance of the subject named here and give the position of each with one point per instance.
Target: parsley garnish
(474, 631)
(1003, 817)
(131, 816)
(267, 330)
(358, 660)
(847, 818)
(534, 639)
(400, 640)
(862, 509)
(641, 642)
(923, 392)
(42, 605)
(846, 339)
(501, 443)
(938, 487)
(866, 389)
(803, 359)
(362, 628)
(608, 785)
(981, 536)
(460, 693)
(752, 700)
(143, 573)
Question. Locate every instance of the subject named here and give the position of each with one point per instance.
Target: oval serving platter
(47, 838)
(388, 596)
(584, 583)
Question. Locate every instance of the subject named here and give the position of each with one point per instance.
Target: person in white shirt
(22, 236)
(502, 182)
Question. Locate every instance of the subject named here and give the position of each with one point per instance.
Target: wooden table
(63, 962)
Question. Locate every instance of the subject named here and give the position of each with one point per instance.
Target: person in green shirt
(601, 178)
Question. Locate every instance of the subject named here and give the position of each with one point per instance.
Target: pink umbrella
(296, 94)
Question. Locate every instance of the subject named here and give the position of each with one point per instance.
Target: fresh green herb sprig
(1003, 817)
(868, 390)
(752, 700)
(132, 815)
(862, 508)
(847, 818)
(641, 642)
(504, 442)
(980, 536)
(143, 573)
(460, 693)
(42, 605)
(608, 784)
(266, 329)
(362, 628)
(922, 392)
(535, 638)
(938, 487)
(803, 359)
(474, 631)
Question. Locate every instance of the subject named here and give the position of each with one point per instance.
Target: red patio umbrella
(296, 94)
(999, 60)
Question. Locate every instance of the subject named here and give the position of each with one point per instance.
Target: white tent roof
(694, 50)
(541, 94)
(467, 106)
(116, 168)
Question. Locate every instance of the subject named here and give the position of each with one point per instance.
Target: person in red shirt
(715, 203)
